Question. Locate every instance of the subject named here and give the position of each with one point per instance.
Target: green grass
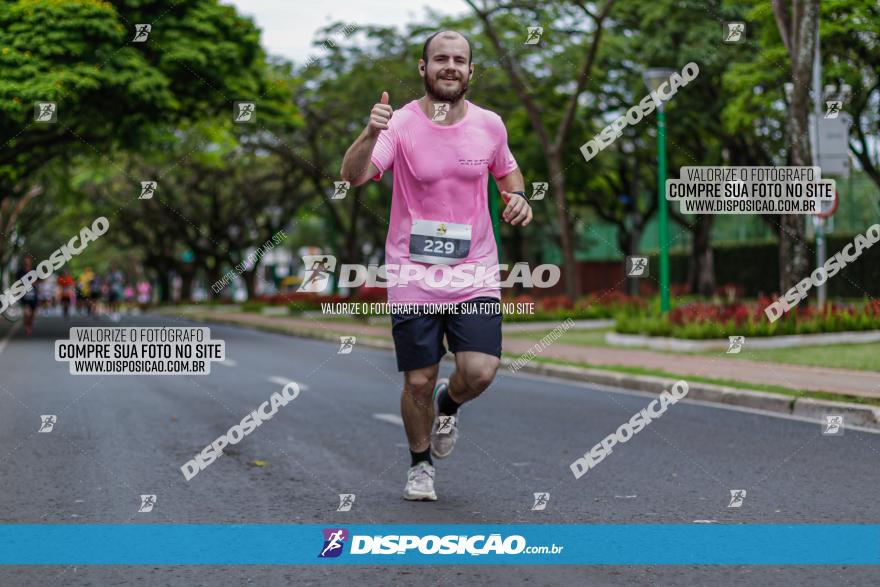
(858, 357)
(725, 382)
(584, 337)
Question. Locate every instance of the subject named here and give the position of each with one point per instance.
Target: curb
(804, 407)
(809, 408)
(866, 416)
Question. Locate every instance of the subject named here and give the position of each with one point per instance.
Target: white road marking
(228, 363)
(285, 380)
(8, 336)
(390, 418)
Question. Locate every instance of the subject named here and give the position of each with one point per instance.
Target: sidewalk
(863, 384)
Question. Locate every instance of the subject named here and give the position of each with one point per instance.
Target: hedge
(703, 320)
(755, 267)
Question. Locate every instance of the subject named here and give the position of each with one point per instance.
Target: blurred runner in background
(46, 292)
(116, 285)
(144, 293)
(30, 299)
(96, 294)
(128, 295)
(85, 290)
(66, 292)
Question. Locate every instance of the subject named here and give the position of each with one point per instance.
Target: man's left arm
(517, 212)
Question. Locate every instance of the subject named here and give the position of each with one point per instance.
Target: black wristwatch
(523, 194)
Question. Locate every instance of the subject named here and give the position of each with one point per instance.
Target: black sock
(418, 457)
(446, 405)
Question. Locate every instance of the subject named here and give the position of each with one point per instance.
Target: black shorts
(418, 337)
(30, 303)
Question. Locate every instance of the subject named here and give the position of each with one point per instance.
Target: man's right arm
(357, 168)
(356, 165)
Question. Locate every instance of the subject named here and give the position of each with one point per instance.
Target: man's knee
(420, 383)
(479, 376)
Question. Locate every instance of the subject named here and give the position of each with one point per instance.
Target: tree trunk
(701, 269)
(353, 241)
(569, 267)
(212, 275)
(798, 27)
(250, 281)
(792, 253)
(164, 285)
(792, 247)
(186, 283)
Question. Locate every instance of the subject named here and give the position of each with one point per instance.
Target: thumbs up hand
(380, 115)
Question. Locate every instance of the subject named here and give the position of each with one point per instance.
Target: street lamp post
(653, 79)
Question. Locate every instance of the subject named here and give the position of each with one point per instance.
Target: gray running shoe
(420, 483)
(445, 430)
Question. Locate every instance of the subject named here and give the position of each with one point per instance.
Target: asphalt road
(118, 437)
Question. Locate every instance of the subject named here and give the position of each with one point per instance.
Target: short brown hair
(431, 38)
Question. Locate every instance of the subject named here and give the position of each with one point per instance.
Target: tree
(584, 46)
(798, 23)
(215, 199)
(758, 112)
(850, 40)
(109, 91)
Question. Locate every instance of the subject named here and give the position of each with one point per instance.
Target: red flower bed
(371, 294)
(551, 303)
(707, 312)
(707, 320)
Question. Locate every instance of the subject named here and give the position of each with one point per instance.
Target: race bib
(439, 242)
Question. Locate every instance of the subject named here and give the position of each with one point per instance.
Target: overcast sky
(289, 26)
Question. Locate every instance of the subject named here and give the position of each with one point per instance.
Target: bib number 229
(439, 246)
(432, 241)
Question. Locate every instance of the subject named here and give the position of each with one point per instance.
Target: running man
(66, 291)
(85, 289)
(96, 295)
(116, 283)
(30, 300)
(144, 293)
(440, 215)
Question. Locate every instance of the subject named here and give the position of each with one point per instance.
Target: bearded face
(447, 70)
(446, 84)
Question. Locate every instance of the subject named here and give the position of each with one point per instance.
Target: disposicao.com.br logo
(334, 540)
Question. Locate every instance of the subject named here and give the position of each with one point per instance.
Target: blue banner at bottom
(525, 544)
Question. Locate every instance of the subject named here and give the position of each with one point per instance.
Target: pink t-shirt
(440, 174)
